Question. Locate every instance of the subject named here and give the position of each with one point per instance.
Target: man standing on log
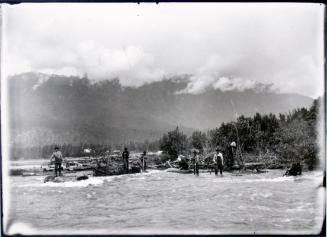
(218, 161)
(125, 156)
(57, 157)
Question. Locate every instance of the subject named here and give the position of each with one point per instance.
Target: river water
(166, 203)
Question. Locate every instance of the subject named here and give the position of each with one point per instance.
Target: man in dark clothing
(218, 161)
(125, 156)
(143, 161)
(57, 157)
(196, 160)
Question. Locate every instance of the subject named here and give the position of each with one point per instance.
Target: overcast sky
(226, 46)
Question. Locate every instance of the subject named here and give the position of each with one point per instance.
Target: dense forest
(284, 139)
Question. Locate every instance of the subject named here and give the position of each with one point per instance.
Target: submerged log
(54, 179)
(62, 179)
(29, 174)
(258, 166)
(180, 171)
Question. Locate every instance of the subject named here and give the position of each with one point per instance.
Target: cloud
(219, 73)
(228, 84)
(216, 43)
(132, 65)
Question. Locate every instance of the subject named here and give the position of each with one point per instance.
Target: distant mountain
(49, 108)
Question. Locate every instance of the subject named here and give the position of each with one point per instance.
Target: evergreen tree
(174, 143)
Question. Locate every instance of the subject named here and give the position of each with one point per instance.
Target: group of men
(218, 162)
(141, 162)
(57, 159)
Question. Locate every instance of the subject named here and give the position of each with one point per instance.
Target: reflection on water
(162, 202)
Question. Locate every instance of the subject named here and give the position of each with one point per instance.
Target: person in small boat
(56, 157)
(143, 160)
(125, 156)
(218, 161)
(196, 160)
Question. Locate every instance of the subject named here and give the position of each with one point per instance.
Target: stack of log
(109, 165)
(113, 165)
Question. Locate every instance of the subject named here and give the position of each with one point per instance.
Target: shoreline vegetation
(270, 141)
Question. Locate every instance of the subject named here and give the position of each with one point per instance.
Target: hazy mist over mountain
(44, 109)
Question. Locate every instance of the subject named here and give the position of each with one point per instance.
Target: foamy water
(164, 202)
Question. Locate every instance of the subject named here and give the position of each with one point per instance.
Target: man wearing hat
(218, 161)
(57, 157)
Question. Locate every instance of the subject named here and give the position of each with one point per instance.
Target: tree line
(286, 138)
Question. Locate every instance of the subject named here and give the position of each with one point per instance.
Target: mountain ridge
(59, 109)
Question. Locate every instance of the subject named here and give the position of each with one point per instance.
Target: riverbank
(41, 167)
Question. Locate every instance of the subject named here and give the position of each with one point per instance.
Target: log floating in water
(250, 166)
(175, 170)
(82, 177)
(62, 179)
